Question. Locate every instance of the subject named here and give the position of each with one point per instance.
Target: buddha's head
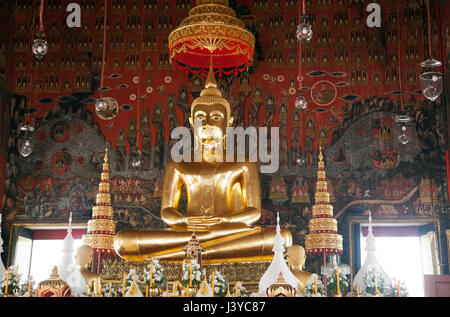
(210, 114)
(296, 256)
(84, 256)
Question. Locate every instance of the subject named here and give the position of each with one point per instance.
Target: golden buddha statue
(296, 257)
(83, 258)
(224, 198)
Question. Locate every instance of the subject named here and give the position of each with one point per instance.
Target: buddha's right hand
(201, 223)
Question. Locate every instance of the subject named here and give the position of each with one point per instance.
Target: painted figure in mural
(283, 116)
(132, 139)
(146, 139)
(196, 85)
(183, 103)
(159, 137)
(121, 150)
(297, 159)
(224, 200)
(171, 114)
(269, 115)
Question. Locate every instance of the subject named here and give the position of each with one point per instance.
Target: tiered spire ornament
(278, 266)
(323, 237)
(102, 227)
(371, 262)
(67, 264)
(212, 30)
(193, 249)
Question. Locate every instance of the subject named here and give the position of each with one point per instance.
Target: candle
(338, 289)
(213, 284)
(123, 287)
(100, 291)
(190, 274)
(376, 283)
(399, 292)
(7, 281)
(146, 291)
(316, 287)
(29, 289)
(187, 291)
(236, 290)
(151, 274)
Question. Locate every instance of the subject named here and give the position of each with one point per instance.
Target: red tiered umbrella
(212, 30)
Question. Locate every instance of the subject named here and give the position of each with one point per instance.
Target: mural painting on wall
(351, 113)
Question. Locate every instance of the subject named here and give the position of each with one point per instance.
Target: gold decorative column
(323, 236)
(102, 227)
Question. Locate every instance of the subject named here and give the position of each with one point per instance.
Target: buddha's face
(209, 123)
(296, 255)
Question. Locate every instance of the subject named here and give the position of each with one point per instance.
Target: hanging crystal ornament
(403, 138)
(25, 145)
(106, 108)
(40, 47)
(432, 85)
(431, 62)
(304, 30)
(431, 81)
(301, 103)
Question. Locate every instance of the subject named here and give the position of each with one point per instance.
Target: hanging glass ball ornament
(40, 48)
(106, 108)
(432, 86)
(403, 137)
(301, 103)
(431, 62)
(25, 146)
(304, 32)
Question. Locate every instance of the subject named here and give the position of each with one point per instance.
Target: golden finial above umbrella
(212, 29)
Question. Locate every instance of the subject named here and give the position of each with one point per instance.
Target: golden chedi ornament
(323, 236)
(223, 199)
(281, 288)
(54, 286)
(102, 227)
(212, 30)
(193, 249)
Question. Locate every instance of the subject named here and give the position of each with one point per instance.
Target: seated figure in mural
(296, 257)
(224, 199)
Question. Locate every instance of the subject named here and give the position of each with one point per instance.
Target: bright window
(46, 254)
(401, 258)
(40, 250)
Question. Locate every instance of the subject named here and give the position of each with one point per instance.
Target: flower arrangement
(310, 288)
(220, 284)
(242, 291)
(332, 283)
(24, 289)
(14, 285)
(129, 279)
(196, 274)
(154, 271)
(369, 280)
(392, 290)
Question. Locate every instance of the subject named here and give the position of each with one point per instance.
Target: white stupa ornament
(277, 266)
(67, 268)
(371, 262)
(2, 267)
